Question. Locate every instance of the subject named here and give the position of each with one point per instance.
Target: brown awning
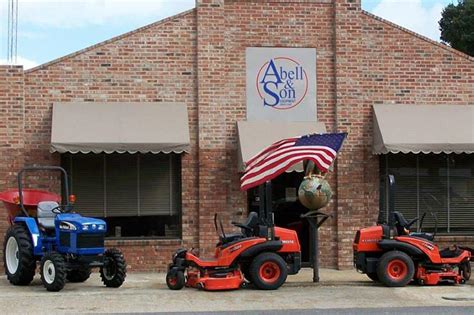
(255, 136)
(119, 127)
(423, 128)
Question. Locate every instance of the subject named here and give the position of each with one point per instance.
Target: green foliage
(457, 26)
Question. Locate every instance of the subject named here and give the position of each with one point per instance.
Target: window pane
(143, 226)
(461, 184)
(86, 173)
(155, 186)
(433, 190)
(403, 167)
(121, 185)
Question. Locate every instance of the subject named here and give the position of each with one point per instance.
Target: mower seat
(251, 223)
(46, 215)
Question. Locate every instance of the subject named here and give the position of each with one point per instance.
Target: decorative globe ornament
(314, 192)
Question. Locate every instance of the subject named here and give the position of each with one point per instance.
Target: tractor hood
(80, 222)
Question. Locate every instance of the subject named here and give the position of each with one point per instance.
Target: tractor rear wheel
(114, 270)
(53, 271)
(395, 269)
(18, 258)
(465, 270)
(268, 271)
(175, 280)
(80, 274)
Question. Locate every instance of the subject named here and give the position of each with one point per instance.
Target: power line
(12, 31)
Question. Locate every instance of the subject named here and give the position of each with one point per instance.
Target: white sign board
(281, 84)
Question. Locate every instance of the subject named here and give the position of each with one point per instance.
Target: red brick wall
(376, 63)
(153, 64)
(11, 133)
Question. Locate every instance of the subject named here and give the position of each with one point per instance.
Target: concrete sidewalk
(147, 292)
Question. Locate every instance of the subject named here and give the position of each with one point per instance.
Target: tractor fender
(404, 247)
(34, 232)
(269, 246)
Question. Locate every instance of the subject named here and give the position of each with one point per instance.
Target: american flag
(278, 157)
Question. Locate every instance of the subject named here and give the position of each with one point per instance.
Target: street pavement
(338, 292)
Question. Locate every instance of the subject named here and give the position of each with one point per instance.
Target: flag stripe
(277, 158)
(326, 159)
(325, 151)
(272, 173)
(263, 154)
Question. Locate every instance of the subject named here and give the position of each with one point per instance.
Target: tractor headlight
(68, 226)
(93, 227)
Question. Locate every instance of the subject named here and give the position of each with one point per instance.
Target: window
(442, 184)
(139, 195)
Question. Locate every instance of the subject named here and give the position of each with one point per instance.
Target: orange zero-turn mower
(394, 256)
(261, 254)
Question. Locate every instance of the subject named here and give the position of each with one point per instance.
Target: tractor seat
(45, 214)
(426, 236)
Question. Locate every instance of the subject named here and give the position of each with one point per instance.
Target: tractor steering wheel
(57, 209)
(60, 209)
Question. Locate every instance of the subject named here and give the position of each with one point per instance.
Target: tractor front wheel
(268, 271)
(80, 274)
(18, 258)
(114, 270)
(395, 269)
(175, 280)
(53, 271)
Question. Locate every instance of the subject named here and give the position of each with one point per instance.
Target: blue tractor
(44, 228)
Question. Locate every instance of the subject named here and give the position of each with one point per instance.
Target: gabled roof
(111, 40)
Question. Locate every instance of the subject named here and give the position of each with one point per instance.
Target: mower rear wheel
(53, 271)
(80, 274)
(268, 271)
(18, 258)
(395, 269)
(465, 270)
(373, 276)
(175, 280)
(114, 270)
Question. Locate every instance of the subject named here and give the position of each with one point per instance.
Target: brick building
(199, 59)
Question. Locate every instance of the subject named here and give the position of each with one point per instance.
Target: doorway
(287, 209)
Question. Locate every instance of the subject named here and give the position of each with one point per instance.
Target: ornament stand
(315, 220)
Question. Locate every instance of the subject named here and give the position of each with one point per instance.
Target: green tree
(457, 26)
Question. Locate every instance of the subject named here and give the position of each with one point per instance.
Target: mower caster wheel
(268, 271)
(421, 282)
(175, 280)
(373, 276)
(53, 271)
(465, 270)
(200, 286)
(244, 285)
(114, 270)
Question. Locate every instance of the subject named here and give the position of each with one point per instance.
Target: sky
(49, 29)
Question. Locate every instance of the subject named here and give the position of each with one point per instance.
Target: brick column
(11, 134)
(213, 165)
(351, 168)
